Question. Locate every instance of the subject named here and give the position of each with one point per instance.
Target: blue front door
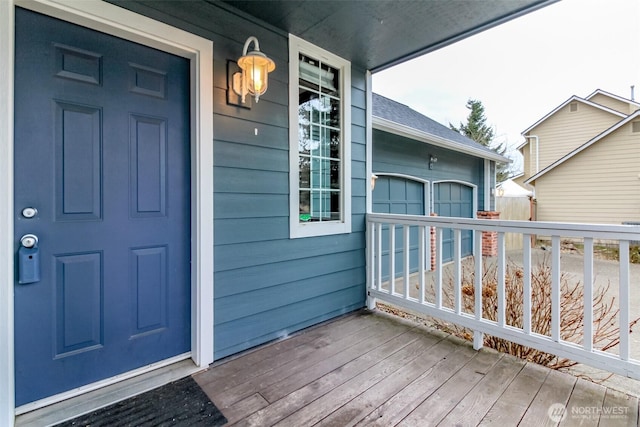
(102, 157)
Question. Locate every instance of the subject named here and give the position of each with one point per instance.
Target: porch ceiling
(378, 34)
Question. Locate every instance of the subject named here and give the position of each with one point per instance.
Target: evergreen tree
(477, 129)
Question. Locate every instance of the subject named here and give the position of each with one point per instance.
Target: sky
(523, 69)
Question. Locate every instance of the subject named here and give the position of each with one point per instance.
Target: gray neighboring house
(424, 167)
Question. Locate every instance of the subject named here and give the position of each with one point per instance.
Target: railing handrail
(542, 228)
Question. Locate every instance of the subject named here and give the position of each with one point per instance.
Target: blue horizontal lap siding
(281, 322)
(238, 306)
(246, 279)
(266, 284)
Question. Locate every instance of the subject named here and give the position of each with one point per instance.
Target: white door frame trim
(128, 25)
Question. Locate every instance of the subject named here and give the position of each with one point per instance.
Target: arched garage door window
(456, 199)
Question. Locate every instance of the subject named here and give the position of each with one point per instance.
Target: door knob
(29, 212)
(29, 240)
(28, 260)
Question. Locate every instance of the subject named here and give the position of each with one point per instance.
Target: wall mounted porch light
(255, 67)
(432, 160)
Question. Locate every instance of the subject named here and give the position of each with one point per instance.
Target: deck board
(518, 396)
(374, 369)
(584, 405)
(447, 397)
(556, 389)
(622, 408)
(477, 403)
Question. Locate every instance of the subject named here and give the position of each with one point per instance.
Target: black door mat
(180, 403)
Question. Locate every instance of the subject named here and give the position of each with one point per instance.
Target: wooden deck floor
(372, 369)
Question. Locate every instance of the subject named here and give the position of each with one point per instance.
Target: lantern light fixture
(255, 67)
(432, 160)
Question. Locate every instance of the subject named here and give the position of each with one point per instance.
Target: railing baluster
(407, 258)
(438, 267)
(501, 279)
(379, 256)
(588, 294)
(421, 261)
(478, 337)
(427, 256)
(555, 288)
(623, 299)
(392, 259)
(370, 264)
(526, 283)
(457, 272)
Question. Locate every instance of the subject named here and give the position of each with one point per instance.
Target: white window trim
(488, 189)
(296, 228)
(117, 21)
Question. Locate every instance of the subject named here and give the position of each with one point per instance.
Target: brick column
(489, 238)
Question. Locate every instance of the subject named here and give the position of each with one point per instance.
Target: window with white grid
(320, 124)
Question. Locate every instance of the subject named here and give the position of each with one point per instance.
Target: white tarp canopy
(509, 188)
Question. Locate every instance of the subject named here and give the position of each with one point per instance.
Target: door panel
(79, 321)
(78, 153)
(102, 152)
(454, 200)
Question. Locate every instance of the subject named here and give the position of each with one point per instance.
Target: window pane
(309, 72)
(335, 206)
(319, 173)
(306, 133)
(334, 107)
(304, 139)
(307, 97)
(325, 149)
(334, 144)
(305, 180)
(321, 208)
(330, 80)
(335, 175)
(304, 96)
(314, 140)
(305, 204)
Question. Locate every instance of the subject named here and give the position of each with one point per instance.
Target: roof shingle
(396, 112)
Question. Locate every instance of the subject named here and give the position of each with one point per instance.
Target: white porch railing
(398, 273)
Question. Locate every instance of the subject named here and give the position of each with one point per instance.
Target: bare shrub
(605, 314)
